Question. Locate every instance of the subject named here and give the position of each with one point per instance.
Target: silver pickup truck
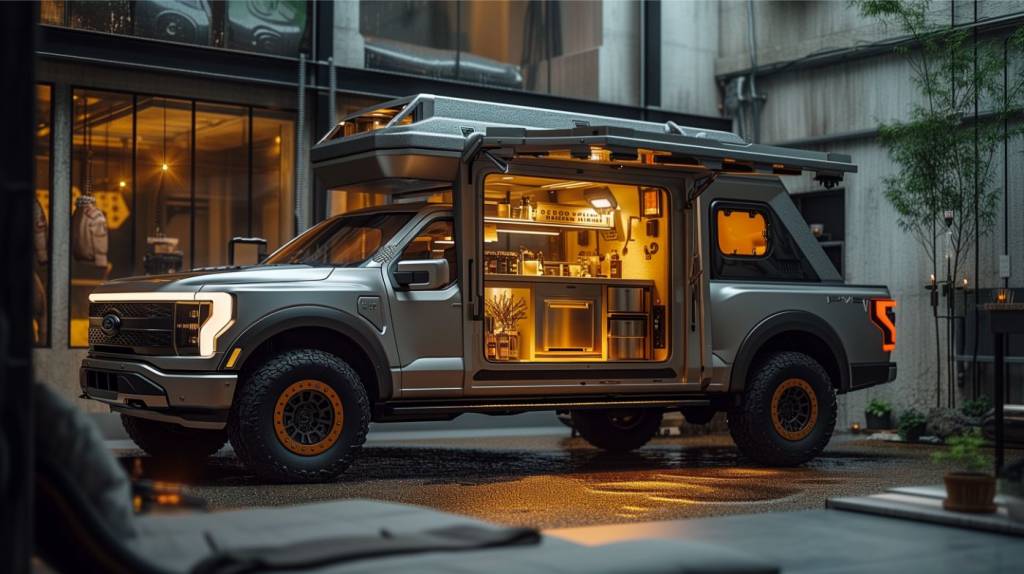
(487, 258)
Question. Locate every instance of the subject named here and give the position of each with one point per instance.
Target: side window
(750, 243)
(435, 241)
(741, 232)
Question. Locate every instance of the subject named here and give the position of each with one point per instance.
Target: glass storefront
(279, 27)
(42, 216)
(162, 184)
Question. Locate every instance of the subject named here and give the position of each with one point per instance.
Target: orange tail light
(883, 315)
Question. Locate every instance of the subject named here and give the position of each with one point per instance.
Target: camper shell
(482, 257)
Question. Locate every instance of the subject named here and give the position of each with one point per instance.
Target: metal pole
(1000, 367)
(332, 90)
(300, 137)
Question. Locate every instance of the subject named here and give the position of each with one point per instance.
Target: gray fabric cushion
(68, 440)
(179, 542)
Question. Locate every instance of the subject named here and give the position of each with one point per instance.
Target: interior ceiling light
(601, 198)
(529, 232)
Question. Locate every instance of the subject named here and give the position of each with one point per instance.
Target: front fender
(348, 325)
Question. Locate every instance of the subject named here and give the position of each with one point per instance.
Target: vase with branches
(506, 311)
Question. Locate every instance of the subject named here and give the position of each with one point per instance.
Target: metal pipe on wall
(300, 136)
(755, 116)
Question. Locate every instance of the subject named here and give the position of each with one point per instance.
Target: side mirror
(244, 251)
(422, 275)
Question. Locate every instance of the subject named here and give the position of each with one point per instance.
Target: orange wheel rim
(794, 409)
(308, 417)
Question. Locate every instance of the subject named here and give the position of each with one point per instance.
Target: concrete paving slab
(830, 541)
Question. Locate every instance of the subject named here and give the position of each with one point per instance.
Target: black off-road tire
(254, 433)
(174, 442)
(759, 434)
(617, 430)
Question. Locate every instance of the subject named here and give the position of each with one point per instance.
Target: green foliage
(976, 408)
(938, 149)
(878, 408)
(964, 452)
(911, 421)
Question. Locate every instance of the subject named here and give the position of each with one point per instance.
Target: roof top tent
(413, 144)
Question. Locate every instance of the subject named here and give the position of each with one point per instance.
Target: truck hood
(194, 280)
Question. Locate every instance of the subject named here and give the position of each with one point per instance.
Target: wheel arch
(798, 331)
(317, 327)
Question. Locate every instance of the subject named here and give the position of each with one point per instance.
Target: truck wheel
(787, 413)
(301, 417)
(171, 441)
(619, 430)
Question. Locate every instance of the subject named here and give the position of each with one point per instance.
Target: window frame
(49, 218)
(453, 278)
(763, 209)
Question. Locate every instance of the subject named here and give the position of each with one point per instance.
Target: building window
(279, 28)
(562, 48)
(161, 185)
(741, 232)
(42, 215)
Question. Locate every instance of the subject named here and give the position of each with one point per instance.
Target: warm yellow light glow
(742, 233)
(277, 139)
(220, 319)
(122, 184)
(601, 203)
(529, 232)
(164, 167)
(234, 357)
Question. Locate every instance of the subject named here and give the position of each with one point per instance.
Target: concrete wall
(689, 47)
(845, 103)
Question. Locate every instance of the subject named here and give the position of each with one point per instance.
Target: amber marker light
(883, 314)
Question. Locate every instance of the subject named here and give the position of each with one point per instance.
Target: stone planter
(970, 492)
(875, 422)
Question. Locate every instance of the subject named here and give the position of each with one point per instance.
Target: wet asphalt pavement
(552, 480)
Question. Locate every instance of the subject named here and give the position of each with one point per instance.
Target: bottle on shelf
(615, 265)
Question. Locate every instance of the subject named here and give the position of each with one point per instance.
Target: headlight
(189, 317)
(199, 318)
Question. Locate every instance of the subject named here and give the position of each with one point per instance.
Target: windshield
(346, 241)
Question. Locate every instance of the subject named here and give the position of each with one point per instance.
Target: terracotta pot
(970, 492)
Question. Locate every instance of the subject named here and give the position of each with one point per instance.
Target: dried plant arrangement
(506, 310)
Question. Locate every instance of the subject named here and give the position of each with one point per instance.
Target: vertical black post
(1000, 368)
(652, 54)
(322, 52)
(17, 195)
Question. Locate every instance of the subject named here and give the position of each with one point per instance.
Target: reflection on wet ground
(557, 481)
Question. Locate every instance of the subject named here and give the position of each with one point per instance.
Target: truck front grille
(143, 328)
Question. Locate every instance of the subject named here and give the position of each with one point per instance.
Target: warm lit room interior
(575, 270)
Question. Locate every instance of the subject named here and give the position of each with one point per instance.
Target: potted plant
(878, 415)
(972, 488)
(912, 425)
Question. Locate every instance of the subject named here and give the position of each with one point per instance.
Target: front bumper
(196, 399)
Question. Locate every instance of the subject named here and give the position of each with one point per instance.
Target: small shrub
(878, 408)
(964, 452)
(911, 424)
(976, 408)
